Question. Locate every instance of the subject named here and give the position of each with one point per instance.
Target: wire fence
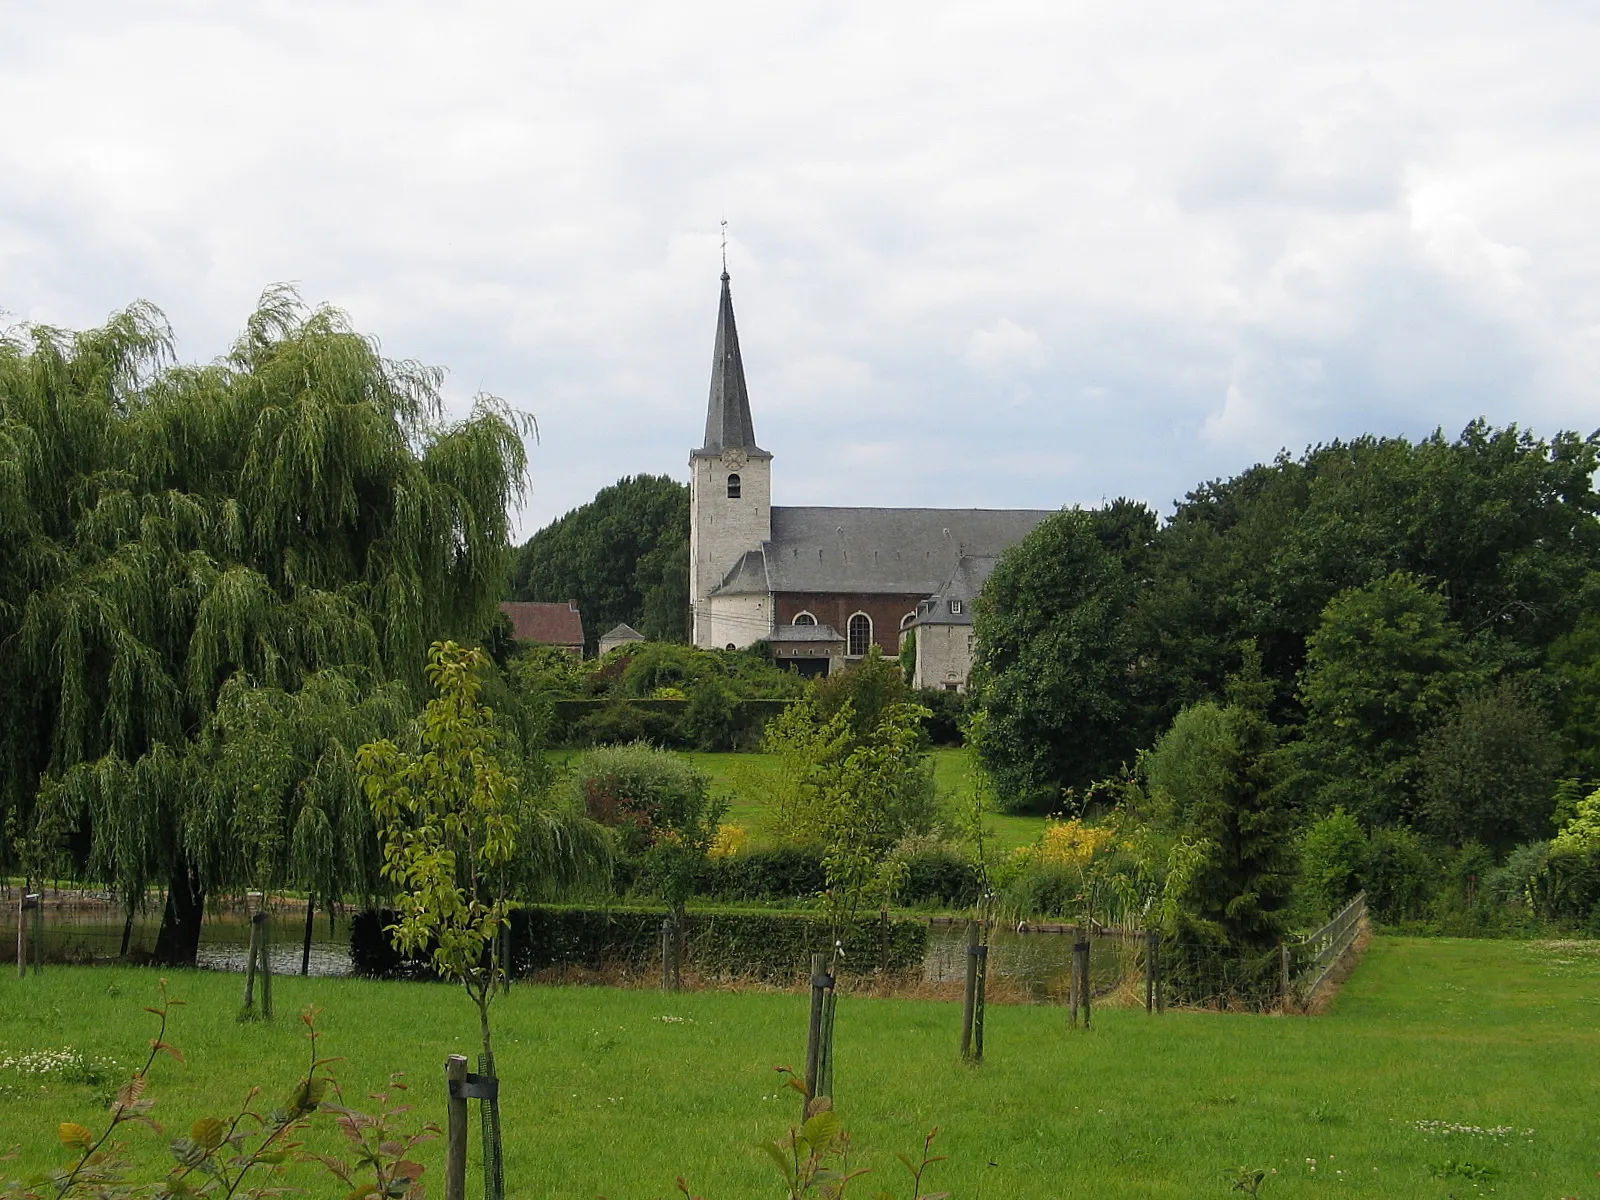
(1028, 963)
(86, 928)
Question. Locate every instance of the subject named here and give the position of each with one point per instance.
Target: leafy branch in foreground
(221, 1154)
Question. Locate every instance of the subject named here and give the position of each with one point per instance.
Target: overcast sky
(982, 254)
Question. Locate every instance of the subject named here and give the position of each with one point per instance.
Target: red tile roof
(553, 624)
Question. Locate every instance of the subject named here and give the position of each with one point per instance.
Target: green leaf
(74, 1136)
(208, 1132)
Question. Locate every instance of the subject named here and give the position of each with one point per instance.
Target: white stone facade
(944, 657)
(721, 529)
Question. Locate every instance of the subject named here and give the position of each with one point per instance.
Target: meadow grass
(603, 1097)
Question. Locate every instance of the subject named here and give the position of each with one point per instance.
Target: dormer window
(733, 487)
(955, 608)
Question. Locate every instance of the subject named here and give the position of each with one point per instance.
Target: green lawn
(602, 1097)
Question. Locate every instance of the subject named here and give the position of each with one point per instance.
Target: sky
(986, 255)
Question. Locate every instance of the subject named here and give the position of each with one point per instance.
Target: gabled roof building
(822, 585)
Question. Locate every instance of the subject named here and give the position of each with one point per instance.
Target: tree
(176, 536)
(624, 556)
(459, 832)
(1214, 773)
(1385, 663)
(1055, 662)
(1489, 769)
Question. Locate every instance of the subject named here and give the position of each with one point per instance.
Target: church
(822, 586)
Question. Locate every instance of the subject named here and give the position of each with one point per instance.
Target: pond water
(1037, 965)
(1033, 966)
(95, 934)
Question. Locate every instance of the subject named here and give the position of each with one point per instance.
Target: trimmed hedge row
(771, 946)
(662, 722)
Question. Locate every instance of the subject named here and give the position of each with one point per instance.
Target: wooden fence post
(1285, 958)
(819, 980)
(969, 1003)
(24, 911)
(455, 1161)
(1161, 991)
(1080, 957)
(305, 944)
(1072, 981)
(981, 955)
(265, 918)
(1149, 970)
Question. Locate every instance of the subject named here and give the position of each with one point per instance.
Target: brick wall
(836, 610)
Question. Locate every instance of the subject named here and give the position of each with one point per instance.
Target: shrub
(709, 721)
(1398, 875)
(1044, 890)
(778, 873)
(945, 727)
(937, 874)
(1333, 857)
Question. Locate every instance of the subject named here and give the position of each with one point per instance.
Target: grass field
(603, 1097)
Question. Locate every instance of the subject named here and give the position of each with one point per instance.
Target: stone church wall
(944, 656)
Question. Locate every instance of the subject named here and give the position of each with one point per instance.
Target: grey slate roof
(623, 633)
(805, 633)
(971, 573)
(874, 551)
(747, 577)
(728, 423)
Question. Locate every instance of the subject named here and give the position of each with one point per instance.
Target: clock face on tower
(733, 459)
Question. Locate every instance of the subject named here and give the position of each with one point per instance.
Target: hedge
(771, 946)
(606, 721)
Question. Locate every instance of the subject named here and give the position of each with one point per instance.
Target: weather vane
(724, 245)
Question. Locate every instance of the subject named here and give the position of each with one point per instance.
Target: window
(860, 631)
(733, 487)
(731, 646)
(905, 621)
(803, 618)
(955, 608)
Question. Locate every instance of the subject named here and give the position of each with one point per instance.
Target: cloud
(1005, 346)
(1025, 254)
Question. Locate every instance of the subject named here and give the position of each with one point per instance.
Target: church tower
(730, 483)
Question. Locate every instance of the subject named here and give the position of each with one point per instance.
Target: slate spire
(728, 423)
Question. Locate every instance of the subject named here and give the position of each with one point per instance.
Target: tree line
(1402, 634)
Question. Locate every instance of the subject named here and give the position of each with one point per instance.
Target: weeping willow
(216, 582)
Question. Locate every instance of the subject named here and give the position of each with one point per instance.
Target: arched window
(803, 618)
(733, 487)
(905, 627)
(860, 630)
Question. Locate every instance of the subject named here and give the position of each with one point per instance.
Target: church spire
(728, 423)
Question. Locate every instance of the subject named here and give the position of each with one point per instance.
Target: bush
(946, 726)
(1333, 856)
(1399, 874)
(1043, 890)
(938, 874)
(709, 721)
(780, 873)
